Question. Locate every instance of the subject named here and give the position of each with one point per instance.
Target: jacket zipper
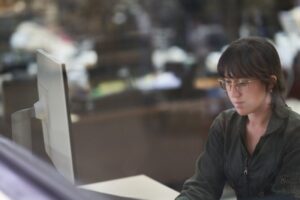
(246, 174)
(246, 167)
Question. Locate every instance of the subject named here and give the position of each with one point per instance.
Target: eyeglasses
(239, 84)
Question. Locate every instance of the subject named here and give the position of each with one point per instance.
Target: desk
(140, 187)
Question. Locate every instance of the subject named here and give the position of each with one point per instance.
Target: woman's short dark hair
(252, 57)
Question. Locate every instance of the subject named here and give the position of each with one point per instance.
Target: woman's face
(247, 95)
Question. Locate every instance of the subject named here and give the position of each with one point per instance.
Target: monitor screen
(52, 109)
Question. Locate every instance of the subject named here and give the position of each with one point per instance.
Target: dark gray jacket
(273, 168)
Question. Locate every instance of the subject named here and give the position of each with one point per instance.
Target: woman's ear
(273, 81)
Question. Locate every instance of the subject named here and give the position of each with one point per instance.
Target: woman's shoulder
(294, 115)
(292, 124)
(289, 112)
(294, 119)
(291, 135)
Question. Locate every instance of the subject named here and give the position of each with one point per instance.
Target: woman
(254, 147)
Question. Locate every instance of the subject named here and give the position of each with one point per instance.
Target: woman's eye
(242, 83)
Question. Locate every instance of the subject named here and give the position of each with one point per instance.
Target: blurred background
(142, 75)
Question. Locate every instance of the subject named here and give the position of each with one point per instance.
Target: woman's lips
(238, 104)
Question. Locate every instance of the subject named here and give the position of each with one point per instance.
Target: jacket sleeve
(208, 181)
(288, 179)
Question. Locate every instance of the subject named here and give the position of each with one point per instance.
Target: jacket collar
(279, 113)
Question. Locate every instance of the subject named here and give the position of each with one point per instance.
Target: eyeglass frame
(237, 83)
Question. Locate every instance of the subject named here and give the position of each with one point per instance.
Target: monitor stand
(21, 127)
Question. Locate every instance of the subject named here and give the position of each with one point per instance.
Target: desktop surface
(138, 187)
(95, 195)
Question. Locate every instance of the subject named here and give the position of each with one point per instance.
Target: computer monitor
(24, 176)
(53, 111)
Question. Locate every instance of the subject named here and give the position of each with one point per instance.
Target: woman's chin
(241, 112)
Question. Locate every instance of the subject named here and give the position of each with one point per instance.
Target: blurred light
(119, 18)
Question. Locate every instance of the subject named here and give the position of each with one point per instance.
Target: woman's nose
(234, 91)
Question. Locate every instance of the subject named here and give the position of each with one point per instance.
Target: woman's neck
(260, 117)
